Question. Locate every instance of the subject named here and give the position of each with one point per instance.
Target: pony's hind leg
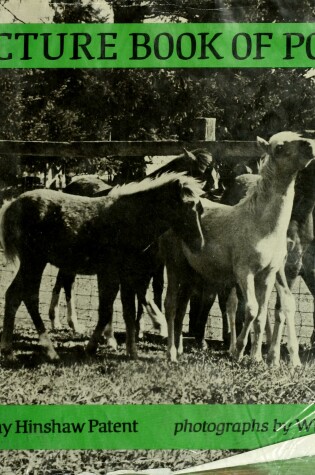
(65, 280)
(72, 319)
(31, 300)
(308, 275)
(31, 274)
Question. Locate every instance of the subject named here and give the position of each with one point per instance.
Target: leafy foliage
(158, 104)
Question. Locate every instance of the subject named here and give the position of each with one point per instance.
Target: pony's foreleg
(108, 288)
(13, 299)
(54, 303)
(184, 294)
(139, 319)
(128, 296)
(286, 311)
(72, 319)
(264, 286)
(231, 310)
(247, 285)
(269, 331)
(170, 312)
(273, 357)
(200, 306)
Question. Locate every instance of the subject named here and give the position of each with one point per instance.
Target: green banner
(153, 426)
(158, 45)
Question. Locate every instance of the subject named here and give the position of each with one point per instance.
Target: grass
(110, 378)
(210, 377)
(73, 462)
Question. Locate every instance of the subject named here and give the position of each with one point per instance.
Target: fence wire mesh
(86, 301)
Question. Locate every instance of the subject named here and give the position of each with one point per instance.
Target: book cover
(121, 103)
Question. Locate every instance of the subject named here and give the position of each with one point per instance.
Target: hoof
(172, 355)
(296, 363)
(112, 343)
(232, 350)
(56, 326)
(51, 355)
(8, 356)
(90, 349)
(133, 355)
(202, 345)
(163, 332)
(237, 355)
(273, 360)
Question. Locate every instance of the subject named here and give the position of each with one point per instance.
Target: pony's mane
(201, 157)
(262, 185)
(262, 161)
(190, 186)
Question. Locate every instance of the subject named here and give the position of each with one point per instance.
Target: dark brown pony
(105, 236)
(198, 164)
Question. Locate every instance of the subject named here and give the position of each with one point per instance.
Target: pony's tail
(8, 247)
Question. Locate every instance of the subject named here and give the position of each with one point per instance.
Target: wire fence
(86, 300)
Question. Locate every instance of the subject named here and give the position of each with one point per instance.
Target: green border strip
(158, 45)
(152, 426)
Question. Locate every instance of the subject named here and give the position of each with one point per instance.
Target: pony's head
(188, 211)
(289, 149)
(171, 200)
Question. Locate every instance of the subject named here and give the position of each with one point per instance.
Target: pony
(106, 236)
(198, 163)
(245, 245)
(299, 261)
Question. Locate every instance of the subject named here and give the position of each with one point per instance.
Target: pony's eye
(278, 149)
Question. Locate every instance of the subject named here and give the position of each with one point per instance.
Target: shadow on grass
(29, 354)
(71, 351)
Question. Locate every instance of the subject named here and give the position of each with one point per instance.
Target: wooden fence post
(204, 129)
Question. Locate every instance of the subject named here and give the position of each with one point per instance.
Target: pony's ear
(189, 155)
(263, 144)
